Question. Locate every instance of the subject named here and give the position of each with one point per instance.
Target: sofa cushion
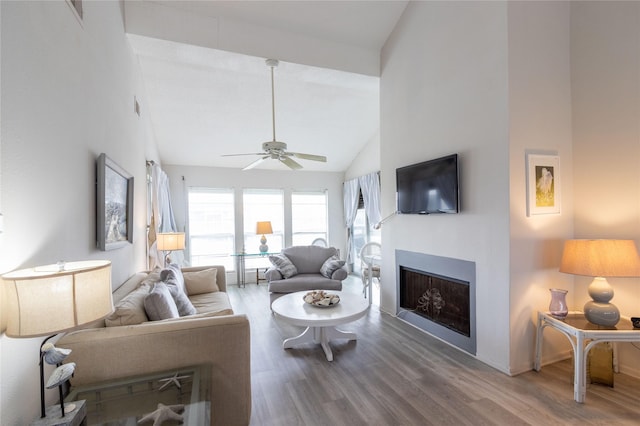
(302, 282)
(331, 265)
(159, 304)
(309, 259)
(130, 309)
(199, 282)
(212, 303)
(284, 265)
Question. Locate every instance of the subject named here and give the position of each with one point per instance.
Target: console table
(240, 265)
(583, 336)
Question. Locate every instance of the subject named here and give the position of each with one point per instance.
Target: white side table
(320, 322)
(583, 336)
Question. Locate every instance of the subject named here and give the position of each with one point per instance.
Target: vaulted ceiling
(208, 89)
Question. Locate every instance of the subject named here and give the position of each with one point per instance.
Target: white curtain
(370, 187)
(351, 188)
(161, 218)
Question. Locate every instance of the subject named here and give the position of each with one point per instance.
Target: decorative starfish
(163, 413)
(169, 380)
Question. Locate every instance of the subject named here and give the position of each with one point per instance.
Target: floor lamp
(170, 241)
(52, 299)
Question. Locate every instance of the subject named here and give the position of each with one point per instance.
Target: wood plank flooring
(395, 374)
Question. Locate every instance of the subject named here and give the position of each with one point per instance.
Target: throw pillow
(159, 304)
(198, 282)
(130, 310)
(184, 305)
(284, 265)
(173, 278)
(331, 265)
(174, 273)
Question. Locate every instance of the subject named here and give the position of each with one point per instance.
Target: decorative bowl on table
(321, 299)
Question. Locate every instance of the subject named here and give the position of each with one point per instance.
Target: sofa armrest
(272, 274)
(223, 342)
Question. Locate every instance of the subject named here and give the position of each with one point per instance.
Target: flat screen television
(429, 187)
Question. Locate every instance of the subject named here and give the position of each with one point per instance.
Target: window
(308, 217)
(363, 233)
(211, 227)
(260, 205)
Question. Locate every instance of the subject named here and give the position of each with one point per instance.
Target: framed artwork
(114, 213)
(543, 184)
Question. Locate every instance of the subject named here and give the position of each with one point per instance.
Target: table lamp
(52, 299)
(601, 259)
(168, 242)
(263, 228)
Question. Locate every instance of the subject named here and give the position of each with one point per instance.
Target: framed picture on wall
(543, 184)
(114, 213)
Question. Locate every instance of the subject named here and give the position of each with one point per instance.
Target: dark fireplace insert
(443, 300)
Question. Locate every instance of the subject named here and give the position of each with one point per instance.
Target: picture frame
(114, 202)
(543, 184)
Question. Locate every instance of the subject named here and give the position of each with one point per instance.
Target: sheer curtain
(370, 187)
(351, 188)
(161, 218)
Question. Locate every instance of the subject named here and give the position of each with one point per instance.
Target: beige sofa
(213, 336)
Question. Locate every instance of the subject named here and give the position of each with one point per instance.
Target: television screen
(429, 187)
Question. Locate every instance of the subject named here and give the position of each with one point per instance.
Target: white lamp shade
(46, 300)
(600, 258)
(170, 241)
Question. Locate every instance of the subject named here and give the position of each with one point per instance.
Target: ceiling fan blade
(255, 163)
(290, 163)
(236, 155)
(309, 156)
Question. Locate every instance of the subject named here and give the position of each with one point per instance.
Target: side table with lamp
(52, 299)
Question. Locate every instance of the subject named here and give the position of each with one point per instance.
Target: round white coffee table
(320, 322)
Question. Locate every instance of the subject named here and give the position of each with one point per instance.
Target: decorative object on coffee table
(558, 305)
(263, 228)
(601, 259)
(56, 298)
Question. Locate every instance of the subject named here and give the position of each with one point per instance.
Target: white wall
(367, 161)
(444, 89)
(605, 58)
(210, 177)
(67, 95)
(539, 122)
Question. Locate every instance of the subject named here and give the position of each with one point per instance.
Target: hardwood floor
(395, 374)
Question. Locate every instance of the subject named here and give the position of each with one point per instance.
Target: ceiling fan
(278, 150)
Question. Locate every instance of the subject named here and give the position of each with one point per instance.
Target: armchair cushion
(331, 265)
(284, 265)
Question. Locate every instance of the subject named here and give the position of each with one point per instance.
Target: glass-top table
(125, 401)
(583, 335)
(240, 265)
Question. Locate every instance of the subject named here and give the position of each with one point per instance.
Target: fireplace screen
(442, 300)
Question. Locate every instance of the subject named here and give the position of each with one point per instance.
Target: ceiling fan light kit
(278, 150)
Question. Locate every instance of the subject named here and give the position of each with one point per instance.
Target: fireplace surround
(437, 295)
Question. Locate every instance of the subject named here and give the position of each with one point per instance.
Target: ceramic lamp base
(605, 314)
(264, 248)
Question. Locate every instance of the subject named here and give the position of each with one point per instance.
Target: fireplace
(437, 295)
